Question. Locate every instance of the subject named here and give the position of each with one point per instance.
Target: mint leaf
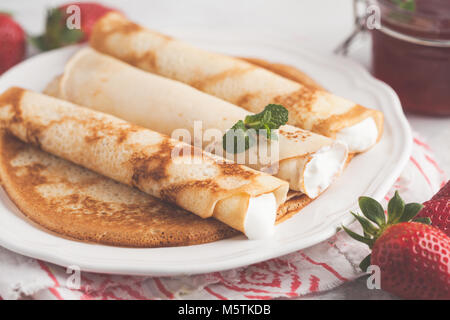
(238, 138)
(272, 117)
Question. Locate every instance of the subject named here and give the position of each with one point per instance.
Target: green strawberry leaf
(38, 42)
(411, 210)
(395, 208)
(71, 36)
(372, 210)
(365, 263)
(56, 34)
(409, 5)
(424, 220)
(398, 212)
(358, 237)
(368, 227)
(6, 13)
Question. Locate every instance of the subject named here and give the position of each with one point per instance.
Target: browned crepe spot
(103, 29)
(327, 126)
(12, 97)
(97, 129)
(232, 169)
(295, 135)
(100, 31)
(246, 99)
(286, 71)
(302, 98)
(153, 166)
(291, 207)
(170, 193)
(221, 76)
(147, 60)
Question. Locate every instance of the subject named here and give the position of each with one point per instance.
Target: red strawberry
(443, 193)
(439, 213)
(438, 209)
(57, 34)
(414, 258)
(12, 43)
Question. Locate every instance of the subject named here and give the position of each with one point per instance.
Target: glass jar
(411, 52)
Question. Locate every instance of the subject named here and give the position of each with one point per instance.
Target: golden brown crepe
(234, 80)
(80, 204)
(167, 169)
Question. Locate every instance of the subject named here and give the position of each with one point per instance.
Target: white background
(319, 25)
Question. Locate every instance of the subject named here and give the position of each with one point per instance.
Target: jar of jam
(410, 50)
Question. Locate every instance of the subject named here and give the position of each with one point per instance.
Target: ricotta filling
(360, 136)
(323, 168)
(260, 219)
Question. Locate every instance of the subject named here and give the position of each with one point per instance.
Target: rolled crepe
(238, 82)
(309, 162)
(168, 169)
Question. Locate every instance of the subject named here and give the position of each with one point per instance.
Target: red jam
(419, 73)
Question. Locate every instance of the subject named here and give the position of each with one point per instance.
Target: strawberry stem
(365, 263)
(374, 221)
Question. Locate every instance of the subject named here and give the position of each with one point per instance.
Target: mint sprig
(243, 134)
(374, 222)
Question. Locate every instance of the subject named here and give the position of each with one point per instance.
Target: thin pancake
(99, 82)
(78, 203)
(295, 200)
(239, 82)
(160, 166)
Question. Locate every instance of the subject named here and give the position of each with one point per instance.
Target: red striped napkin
(319, 268)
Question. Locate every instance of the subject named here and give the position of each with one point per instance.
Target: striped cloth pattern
(316, 269)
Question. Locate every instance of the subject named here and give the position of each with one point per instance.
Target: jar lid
(421, 22)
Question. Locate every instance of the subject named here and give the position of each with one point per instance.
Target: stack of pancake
(92, 159)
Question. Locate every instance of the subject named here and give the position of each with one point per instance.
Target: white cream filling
(360, 136)
(325, 165)
(260, 219)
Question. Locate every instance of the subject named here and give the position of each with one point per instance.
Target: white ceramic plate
(372, 174)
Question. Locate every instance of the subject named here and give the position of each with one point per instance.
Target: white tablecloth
(319, 25)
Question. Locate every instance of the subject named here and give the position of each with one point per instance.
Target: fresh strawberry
(12, 43)
(438, 209)
(439, 213)
(444, 193)
(414, 260)
(413, 257)
(57, 34)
